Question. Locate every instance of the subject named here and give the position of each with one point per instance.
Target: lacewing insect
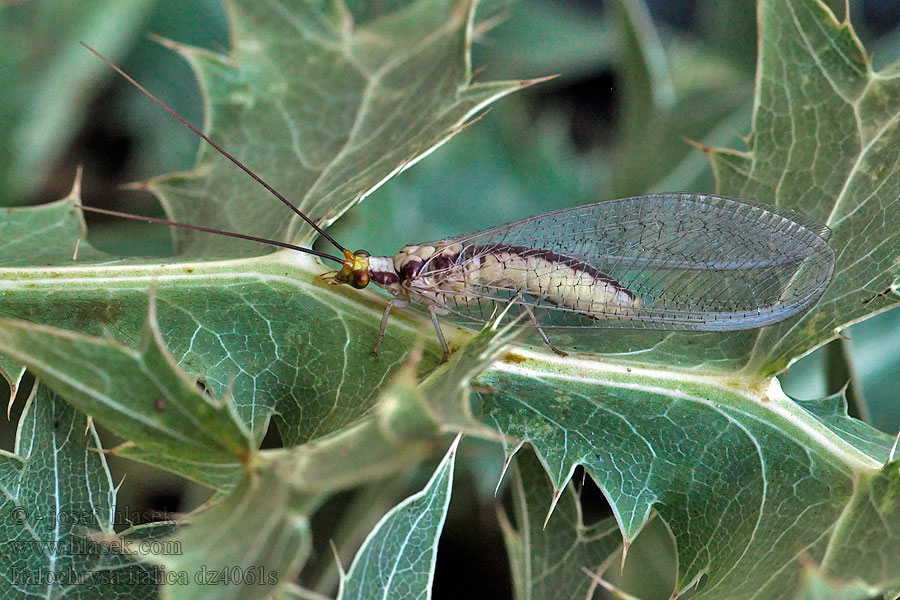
(662, 261)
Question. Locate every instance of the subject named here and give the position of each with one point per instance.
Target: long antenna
(221, 151)
(240, 236)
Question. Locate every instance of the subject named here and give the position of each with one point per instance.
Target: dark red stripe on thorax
(383, 277)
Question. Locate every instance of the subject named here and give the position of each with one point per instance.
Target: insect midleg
(439, 332)
(383, 327)
(541, 331)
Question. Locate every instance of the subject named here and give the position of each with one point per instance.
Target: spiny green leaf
(398, 557)
(246, 328)
(823, 141)
(831, 411)
(56, 489)
(12, 372)
(145, 397)
(322, 110)
(862, 546)
(701, 453)
(270, 333)
(46, 235)
(549, 553)
(140, 394)
(247, 547)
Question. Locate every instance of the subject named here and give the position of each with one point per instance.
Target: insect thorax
(382, 273)
(410, 260)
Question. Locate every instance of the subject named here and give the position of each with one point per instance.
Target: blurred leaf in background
(48, 83)
(60, 107)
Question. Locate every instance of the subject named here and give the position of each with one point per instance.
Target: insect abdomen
(555, 278)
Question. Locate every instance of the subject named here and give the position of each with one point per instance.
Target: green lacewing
(670, 261)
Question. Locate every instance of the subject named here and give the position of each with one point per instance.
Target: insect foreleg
(440, 334)
(541, 331)
(383, 327)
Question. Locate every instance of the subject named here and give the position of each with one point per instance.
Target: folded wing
(662, 261)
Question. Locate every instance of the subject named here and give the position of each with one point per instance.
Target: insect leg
(440, 334)
(384, 322)
(541, 331)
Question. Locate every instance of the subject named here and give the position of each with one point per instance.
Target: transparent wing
(685, 261)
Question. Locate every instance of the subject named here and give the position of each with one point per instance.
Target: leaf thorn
(606, 585)
(75, 192)
(698, 145)
(556, 496)
(894, 448)
(140, 186)
(506, 462)
(537, 80)
(13, 391)
(178, 47)
(337, 560)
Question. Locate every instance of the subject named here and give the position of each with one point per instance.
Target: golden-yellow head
(354, 269)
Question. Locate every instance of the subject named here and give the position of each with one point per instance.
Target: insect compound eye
(359, 279)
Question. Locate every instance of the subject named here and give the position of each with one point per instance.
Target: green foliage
(235, 549)
(56, 489)
(398, 557)
(814, 71)
(550, 552)
(141, 395)
(54, 80)
(675, 435)
(764, 496)
(330, 127)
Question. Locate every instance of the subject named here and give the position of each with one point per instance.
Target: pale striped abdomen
(561, 280)
(455, 278)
